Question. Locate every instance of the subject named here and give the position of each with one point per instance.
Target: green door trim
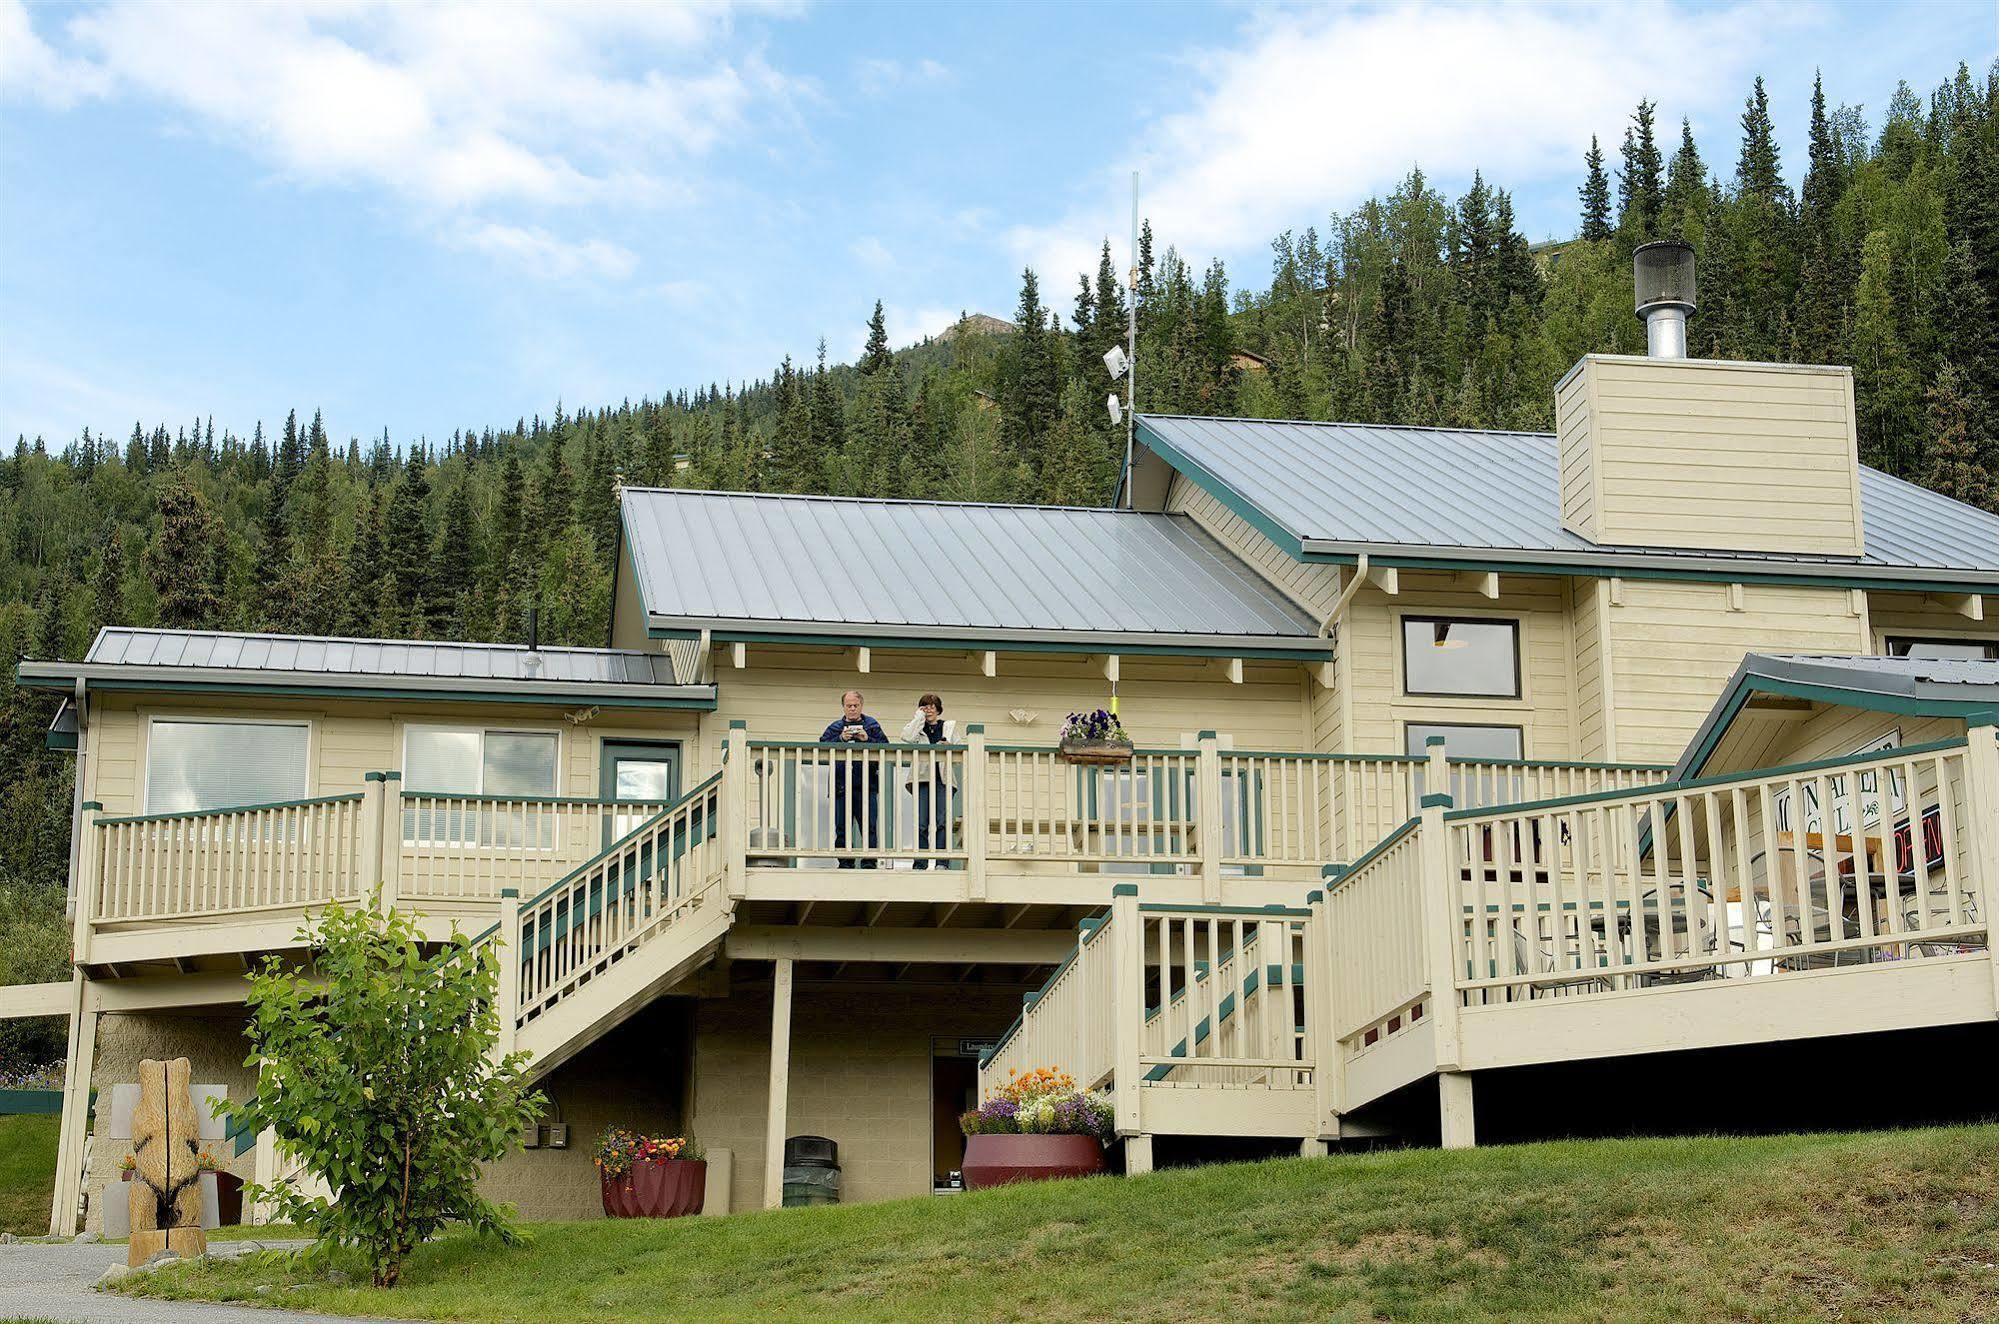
(608, 754)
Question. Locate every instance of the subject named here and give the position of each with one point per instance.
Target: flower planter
(666, 1188)
(1093, 751)
(994, 1160)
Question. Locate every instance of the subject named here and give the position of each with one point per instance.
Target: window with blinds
(201, 764)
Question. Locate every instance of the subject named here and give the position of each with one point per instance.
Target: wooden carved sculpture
(165, 1190)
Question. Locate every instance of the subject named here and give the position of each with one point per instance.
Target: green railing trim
(95, 805)
(712, 780)
(1438, 800)
(354, 797)
(1124, 889)
(1087, 931)
(1257, 912)
(1202, 1030)
(1979, 720)
(584, 800)
(756, 745)
(1380, 847)
(507, 892)
(1667, 790)
(703, 826)
(1314, 897)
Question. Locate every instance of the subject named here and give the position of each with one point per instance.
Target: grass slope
(27, 1173)
(1900, 1225)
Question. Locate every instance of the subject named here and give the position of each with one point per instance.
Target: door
(645, 773)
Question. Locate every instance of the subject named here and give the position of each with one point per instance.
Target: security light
(1117, 409)
(1115, 362)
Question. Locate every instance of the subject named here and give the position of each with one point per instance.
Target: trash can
(811, 1171)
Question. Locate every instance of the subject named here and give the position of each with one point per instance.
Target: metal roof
(1345, 487)
(838, 567)
(210, 658)
(1925, 686)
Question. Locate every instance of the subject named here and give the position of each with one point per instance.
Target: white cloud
(451, 108)
(1316, 110)
(542, 254)
(879, 77)
(872, 252)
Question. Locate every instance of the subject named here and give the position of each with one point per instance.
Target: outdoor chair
(1530, 956)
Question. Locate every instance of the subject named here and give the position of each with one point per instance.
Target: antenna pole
(1131, 352)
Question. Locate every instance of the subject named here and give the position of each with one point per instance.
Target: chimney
(1701, 455)
(1662, 277)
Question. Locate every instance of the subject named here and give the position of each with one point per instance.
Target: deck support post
(508, 995)
(975, 814)
(75, 1136)
(1441, 918)
(1321, 1021)
(391, 834)
(780, 1082)
(1981, 800)
(734, 828)
(1312, 1147)
(1137, 1155)
(1454, 1108)
(1208, 810)
(1127, 1011)
(373, 827)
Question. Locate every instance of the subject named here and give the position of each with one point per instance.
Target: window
(441, 761)
(1444, 655)
(1471, 789)
(445, 761)
(1954, 649)
(217, 764)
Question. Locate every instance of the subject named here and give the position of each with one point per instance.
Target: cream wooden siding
(1371, 640)
(1775, 737)
(1721, 456)
(1920, 616)
(628, 616)
(1673, 647)
(1313, 585)
(353, 737)
(1595, 728)
(792, 693)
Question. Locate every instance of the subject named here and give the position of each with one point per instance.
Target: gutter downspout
(1346, 597)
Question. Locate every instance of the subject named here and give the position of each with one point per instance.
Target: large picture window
(201, 764)
(1446, 655)
(1970, 650)
(1471, 788)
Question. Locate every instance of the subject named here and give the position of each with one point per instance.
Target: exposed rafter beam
(739, 654)
(989, 663)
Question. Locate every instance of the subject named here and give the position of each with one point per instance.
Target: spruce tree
(453, 568)
(875, 354)
(508, 511)
(364, 567)
(107, 588)
(828, 412)
(1029, 385)
(182, 560)
(597, 500)
(406, 534)
(1595, 195)
(1640, 181)
(1958, 466)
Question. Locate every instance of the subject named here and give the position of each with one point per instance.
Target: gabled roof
(310, 664)
(853, 570)
(1919, 686)
(1341, 488)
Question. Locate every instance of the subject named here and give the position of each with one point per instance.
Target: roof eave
(848, 634)
(61, 675)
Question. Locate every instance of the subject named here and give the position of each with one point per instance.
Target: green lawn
(27, 1173)
(1899, 1225)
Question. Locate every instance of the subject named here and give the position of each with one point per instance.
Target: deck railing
(220, 861)
(1859, 860)
(642, 884)
(852, 803)
(470, 847)
(1174, 996)
(1374, 920)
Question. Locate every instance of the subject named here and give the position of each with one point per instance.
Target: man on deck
(856, 793)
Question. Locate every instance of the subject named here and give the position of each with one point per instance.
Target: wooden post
(373, 786)
(1981, 804)
(1321, 1032)
(780, 1082)
(509, 994)
(1137, 1155)
(1443, 918)
(1127, 1007)
(1208, 801)
(390, 830)
(735, 809)
(75, 1136)
(976, 820)
(83, 882)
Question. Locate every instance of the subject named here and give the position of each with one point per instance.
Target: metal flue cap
(1662, 274)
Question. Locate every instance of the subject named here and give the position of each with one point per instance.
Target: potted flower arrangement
(646, 1176)
(1034, 1128)
(1094, 737)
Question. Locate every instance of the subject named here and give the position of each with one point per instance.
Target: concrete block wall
(860, 1074)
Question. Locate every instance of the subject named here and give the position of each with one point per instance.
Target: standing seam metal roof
(306, 655)
(850, 564)
(1499, 491)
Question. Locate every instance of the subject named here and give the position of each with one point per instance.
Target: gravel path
(55, 1282)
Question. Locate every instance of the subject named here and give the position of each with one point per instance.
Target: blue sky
(422, 217)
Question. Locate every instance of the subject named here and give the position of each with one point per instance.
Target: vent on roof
(1662, 275)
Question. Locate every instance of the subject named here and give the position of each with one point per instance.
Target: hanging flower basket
(1094, 737)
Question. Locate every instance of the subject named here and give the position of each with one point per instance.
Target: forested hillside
(1414, 308)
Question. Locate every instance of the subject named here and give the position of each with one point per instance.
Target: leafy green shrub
(379, 1075)
(34, 949)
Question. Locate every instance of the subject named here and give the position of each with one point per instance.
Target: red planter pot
(669, 1188)
(997, 1159)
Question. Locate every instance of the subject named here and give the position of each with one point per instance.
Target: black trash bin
(811, 1171)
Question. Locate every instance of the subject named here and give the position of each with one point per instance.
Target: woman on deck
(928, 779)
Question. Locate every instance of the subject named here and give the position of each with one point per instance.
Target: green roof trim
(1609, 567)
(561, 698)
(1236, 504)
(1276, 651)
